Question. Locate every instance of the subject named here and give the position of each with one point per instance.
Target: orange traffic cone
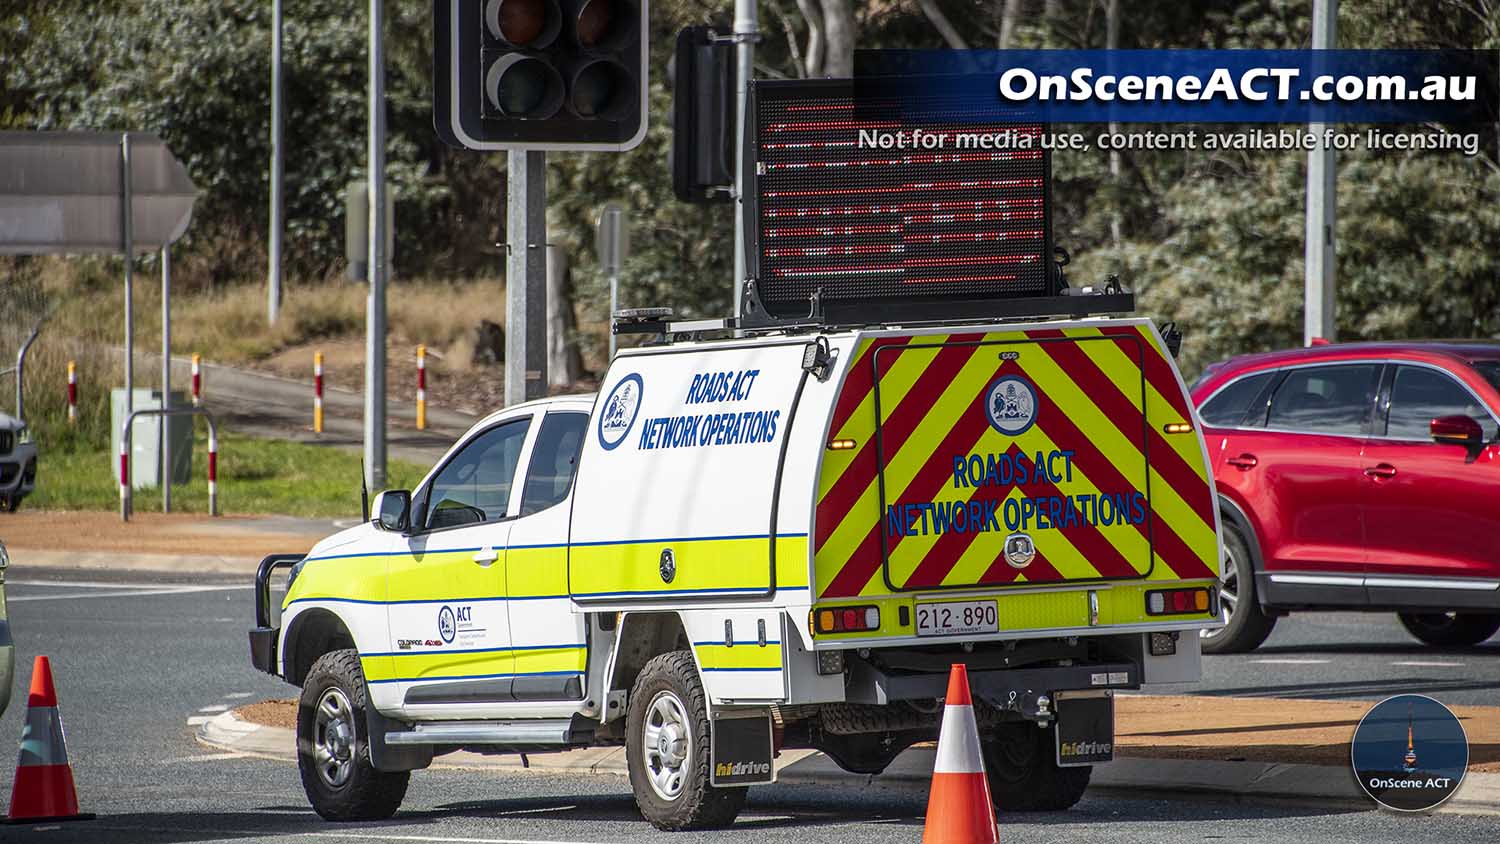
(959, 810)
(43, 788)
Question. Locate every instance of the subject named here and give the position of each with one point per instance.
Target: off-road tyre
(699, 805)
(1451, 630)
(1248, 625)
(1020, 762)
(367, 794)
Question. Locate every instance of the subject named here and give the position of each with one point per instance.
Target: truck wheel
(1245, 624)
(1020, 762)
(1451, 630)
(333, 750)
(667, 749)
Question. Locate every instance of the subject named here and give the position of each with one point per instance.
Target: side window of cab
(474, 485)
(554, 460)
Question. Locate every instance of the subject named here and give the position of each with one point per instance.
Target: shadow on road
(773, 808)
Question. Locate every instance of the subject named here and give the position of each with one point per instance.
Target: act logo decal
(1410, 753)
(1011, 405)
(619, 411)
(447, 627)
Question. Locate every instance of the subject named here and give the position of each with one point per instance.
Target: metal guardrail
(213, 455)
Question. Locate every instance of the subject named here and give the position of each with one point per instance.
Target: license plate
(950, 618)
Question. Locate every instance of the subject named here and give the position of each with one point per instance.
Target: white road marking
(1422, 663)
(130, 591)
(1291, 661)
(215, 707)
(207, 757)
(237, 695)
(360, 835)
(195, 720)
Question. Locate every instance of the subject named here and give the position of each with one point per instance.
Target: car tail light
(846, 619)
(1178, 601)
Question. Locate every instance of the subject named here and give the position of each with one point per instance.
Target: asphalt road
(137, 657)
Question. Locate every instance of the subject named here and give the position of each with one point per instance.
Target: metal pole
(375, 313)
(273, 279)
(746, 33)
(526, 276)
(1322, 204)
(162, 431)
(128, 245)
(21, 370)
(614, 305)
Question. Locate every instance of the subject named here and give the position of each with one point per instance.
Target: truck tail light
(846, 619)
(1178, 601)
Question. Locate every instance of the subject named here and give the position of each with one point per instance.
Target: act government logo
(1011, 405)
(619, 410)
(1410, 753)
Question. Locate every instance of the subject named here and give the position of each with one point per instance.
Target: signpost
(613, 244)
(109, 192)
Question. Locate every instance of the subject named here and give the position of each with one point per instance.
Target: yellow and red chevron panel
(1032, 456)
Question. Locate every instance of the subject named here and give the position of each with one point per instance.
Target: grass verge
(255, 476)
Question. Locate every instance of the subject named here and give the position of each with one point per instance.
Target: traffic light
(540, 74)
(702, 80)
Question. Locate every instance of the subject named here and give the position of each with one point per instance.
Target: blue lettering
(942, 517)
(893, 525)
(1138, 507)
(990, 522)
(1106, 515)
(960, 471)
(1012, 515)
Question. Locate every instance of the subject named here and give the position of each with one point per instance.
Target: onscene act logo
(1410, 753)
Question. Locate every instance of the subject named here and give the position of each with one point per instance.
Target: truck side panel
(674, 494)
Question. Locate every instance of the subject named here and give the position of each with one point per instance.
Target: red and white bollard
(72, 392)
(213, 473)
(197, 381)
(421, 388)
(318, 392)
(125, 478)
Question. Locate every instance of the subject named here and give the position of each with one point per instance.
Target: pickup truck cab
(782, 541)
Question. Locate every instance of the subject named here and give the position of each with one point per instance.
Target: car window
(554, 458)
(1229, 405)
(1490, 369)
(1420, 395)
(474, 486)
(1325, 399)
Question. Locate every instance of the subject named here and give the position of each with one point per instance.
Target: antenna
(364, 495)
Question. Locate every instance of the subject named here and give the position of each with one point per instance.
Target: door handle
(485, 556)
(1381, 471)
(1244, 461)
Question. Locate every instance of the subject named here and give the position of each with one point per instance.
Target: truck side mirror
(393, 510)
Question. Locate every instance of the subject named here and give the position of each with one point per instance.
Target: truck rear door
(1019, 457)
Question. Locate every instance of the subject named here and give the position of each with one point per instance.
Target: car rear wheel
(1451, 629)
(1245, 624)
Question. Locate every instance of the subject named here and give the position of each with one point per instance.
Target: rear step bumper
(1014, 689)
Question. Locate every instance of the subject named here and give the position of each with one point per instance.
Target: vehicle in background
(7, 645)
(1360, 476)
(17, 462)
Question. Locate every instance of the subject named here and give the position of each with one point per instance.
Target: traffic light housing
(703, 120)
(540, 74)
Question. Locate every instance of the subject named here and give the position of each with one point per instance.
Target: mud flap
(1085, 730)
(393, 758)
(742, 752)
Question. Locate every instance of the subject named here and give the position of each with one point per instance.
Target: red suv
(1360, 476)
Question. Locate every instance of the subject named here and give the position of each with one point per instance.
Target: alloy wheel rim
(1229, 591)
(667, 743)
(333, 738)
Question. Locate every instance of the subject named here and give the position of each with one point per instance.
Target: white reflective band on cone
(958, 743)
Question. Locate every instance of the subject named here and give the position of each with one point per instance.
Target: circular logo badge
(1011, 405)
(447, 629)
(1410, 753)
(619, 411)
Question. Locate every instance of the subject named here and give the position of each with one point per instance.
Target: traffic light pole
(273, 262)
(1322, 205)
(375, 312)
(746, 33)
(525, 276)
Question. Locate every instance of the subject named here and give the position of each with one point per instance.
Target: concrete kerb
(912, 771)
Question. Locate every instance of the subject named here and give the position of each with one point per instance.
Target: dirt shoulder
(1220, 729)
(175, 534)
